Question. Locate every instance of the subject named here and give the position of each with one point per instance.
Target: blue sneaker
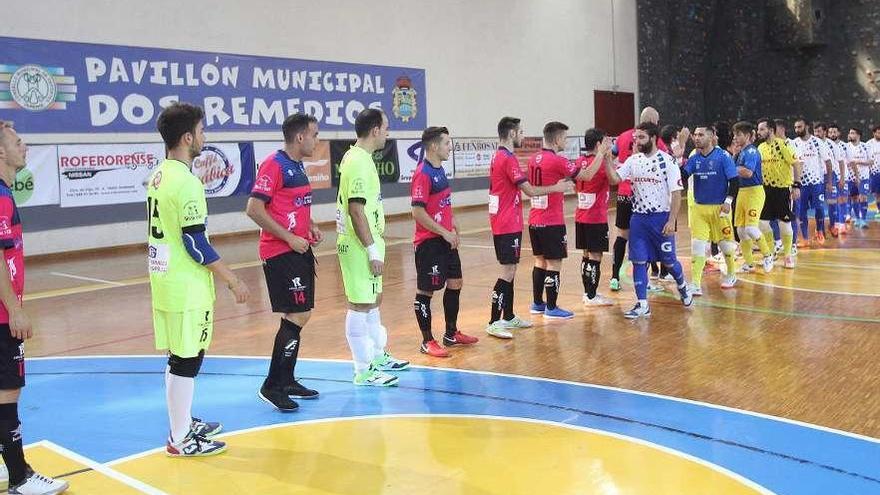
(558, 313)
(538, 309)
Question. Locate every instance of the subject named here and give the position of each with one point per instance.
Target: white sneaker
(789, 262)
(695, 290)
(498, 329)
(728, 282)
(794, 250)
(37, 484)
(516, 322)
(194, 445)
(599, 300)
(768, 264)
(667, 278)
(4, 476)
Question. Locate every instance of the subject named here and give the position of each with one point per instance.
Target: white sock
(358, 335)
(179, 396)
(378, 333)
(643, 303)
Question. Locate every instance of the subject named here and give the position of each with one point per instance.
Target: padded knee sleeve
(785, 228)
(727, 247)
(698, 247)
(185, 367)
(753, 232)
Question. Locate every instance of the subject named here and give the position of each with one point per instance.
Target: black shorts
(508, 247)
(592, 237)
(549, 241)
(624, 212)
(290, 278)
(436, 262)
(777, 205)
(11, 360)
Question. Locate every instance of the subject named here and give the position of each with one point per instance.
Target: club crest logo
(404, 104)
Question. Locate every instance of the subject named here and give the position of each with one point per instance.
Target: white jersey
(874, 149)
(653, 179)
(859, 152)
(840, 150)
(813, 155)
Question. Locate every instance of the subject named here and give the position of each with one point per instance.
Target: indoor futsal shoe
(37, 484)
(386, 362)
(695, 290)
(685, 295)
(537, 309)
(516, 322)
(205, 428)
(375, 378)
(558, 313)
(459, 338)
(277, 398)
(614, 285)
(637, 311)
(298, 391)
(432, 348)
(729, 282)
(499, 329)
(194, 446)
(598, 300)
(768, 264)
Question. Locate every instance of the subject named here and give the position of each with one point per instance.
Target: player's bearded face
(198, 140)
(800, 130)
(645, 144)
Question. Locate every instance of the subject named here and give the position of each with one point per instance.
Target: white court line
(804, 289)
(102, 468)
(709, 405)
(645, 443)
(88, 279)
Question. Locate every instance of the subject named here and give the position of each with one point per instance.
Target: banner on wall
(66, 87)
(473, 156)
(530, 146)
(37, 184)
(387, 164)
(108, 174)
(317, 166)
(410, 153)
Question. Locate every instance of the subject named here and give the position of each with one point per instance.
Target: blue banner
(64, 87)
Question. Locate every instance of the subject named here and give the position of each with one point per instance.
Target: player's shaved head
(649, 114)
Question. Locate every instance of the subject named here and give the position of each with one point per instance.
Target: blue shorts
(865, 187)
(646, 239)
(875, 183)
(831, 197)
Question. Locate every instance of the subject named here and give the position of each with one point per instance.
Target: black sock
(422, 307)
(284, 354)
(585, 274)
(655, 270)
(619, 252)
(594, 270)
(10, 441)
(663, 270)
(450, 310)
(498, 296)
(551, 284)
(508, 300)
(538, 276)
(714, 249)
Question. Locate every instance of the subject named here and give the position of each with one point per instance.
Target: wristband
(796, 185)
(728, 201)
(373, 252)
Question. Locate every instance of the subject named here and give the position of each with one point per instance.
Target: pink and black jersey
(430, 190)
(592, 195)
(505, 201)
(545, 169)
(11, 242)
(283, 185)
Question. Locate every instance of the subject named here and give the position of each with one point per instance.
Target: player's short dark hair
(709, 127)
(433, 134)
(833, 125)
(507, 124)
(820, 125)
(802, 119)
(296, 124)
(176, 120)
(552, 129)
(858, 131)
(366, 121)
(763, 120)
(592, 138)
(668, 132)
(650, 128)
(875, 128)
(743, 127)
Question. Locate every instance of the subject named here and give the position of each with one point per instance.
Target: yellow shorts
(749, 203)
(708, 225)
(183, 333)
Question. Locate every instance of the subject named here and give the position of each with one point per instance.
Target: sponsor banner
(410, 153)
(106, 174)
(226, 169)
(317, 166)
(386, 161)
(473, 156)
(37, 183)
(530, 146)
(65, 87)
